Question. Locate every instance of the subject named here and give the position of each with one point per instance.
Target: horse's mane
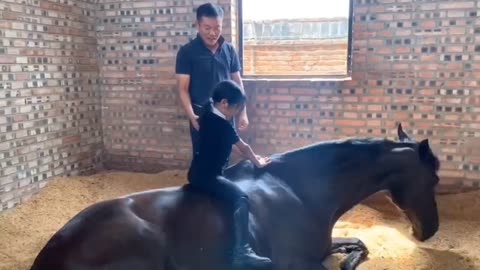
(377, 145)
(346, 142)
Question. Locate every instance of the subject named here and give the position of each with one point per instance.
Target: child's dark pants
(237, 201)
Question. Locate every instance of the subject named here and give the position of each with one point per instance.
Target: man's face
(210, 30)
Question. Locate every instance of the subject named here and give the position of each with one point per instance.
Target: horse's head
(415, 192)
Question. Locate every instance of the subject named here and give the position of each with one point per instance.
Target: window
(295, 38)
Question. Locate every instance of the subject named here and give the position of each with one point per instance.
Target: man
(204, 62)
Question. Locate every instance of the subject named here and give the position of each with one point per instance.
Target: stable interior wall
(50, 114)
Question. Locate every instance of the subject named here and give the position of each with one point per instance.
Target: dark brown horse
(296, 201)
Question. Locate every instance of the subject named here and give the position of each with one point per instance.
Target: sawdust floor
(24, 230)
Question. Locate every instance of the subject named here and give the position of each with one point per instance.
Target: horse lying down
(296, 201)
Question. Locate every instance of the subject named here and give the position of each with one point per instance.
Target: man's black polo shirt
(206, 68)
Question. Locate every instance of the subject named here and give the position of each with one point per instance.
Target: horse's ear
(426, 154)
(424, 147)
(402, 136)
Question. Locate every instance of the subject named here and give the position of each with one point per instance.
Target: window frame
(240, 44)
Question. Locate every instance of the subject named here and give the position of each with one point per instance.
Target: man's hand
(242, 122)
(194, 121)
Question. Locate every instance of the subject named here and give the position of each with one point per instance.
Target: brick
(426, 92)
(303, 91)
(350, 115)
(428, 6)
(455, 14)
(429, 24)
(350, 123)
(4, 146)
(139, 5)
(402, 16)
(385, 17)
(374, 123)
(7, 59)
(281, 98)
(385, 33)
(457, 5)
(456, 31)
(376, 9)
(402, 50)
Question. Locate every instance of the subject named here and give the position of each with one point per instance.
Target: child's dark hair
(209, 10)
(230, 91)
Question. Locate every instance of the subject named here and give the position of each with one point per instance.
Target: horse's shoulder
(240, 170)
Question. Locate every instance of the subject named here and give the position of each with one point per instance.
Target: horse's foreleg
(354, 247)
(300, 265)
(293, 262)
(314, 266)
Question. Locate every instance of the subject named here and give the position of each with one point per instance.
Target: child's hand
(262, 161)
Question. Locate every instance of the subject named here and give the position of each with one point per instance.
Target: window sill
(297, 78)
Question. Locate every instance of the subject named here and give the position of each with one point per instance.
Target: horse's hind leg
(354, 247)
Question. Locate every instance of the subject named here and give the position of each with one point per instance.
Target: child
(217, 136)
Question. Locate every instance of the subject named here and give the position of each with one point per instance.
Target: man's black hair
(209, 10)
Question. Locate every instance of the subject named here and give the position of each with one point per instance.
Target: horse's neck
(350, 200)
(339, 193)
(361, 188)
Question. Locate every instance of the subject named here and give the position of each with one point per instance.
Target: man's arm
(238, 79)
(235, 74)
(183, 70)
(183, 82)
(243, 114)
(235, 68)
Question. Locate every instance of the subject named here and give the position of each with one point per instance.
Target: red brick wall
(49, 95)
(414, 62)
(324, 58)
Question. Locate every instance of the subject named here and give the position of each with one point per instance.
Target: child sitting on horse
(216, 138)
